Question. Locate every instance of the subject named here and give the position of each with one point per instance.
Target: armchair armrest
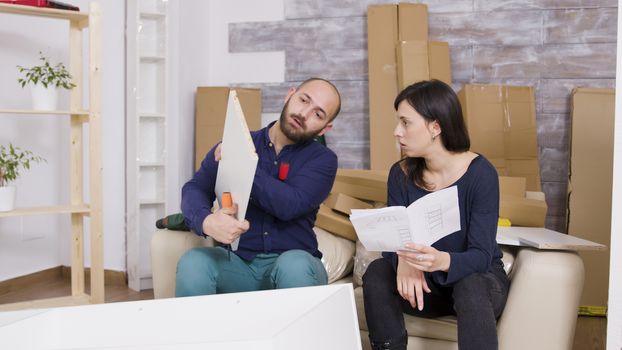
(167, 247)
(541, 311)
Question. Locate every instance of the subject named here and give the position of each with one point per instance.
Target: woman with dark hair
(462, 273)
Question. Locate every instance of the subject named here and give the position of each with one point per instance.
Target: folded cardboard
(386, 25)
(335, 223)
(211, 109)
(344, 204)
(422, 60)
(520, 209)
(591, 183)
(502, 126)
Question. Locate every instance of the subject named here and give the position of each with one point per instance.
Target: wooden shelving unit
(77, 209)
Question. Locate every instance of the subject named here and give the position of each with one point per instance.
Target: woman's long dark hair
(435, 101)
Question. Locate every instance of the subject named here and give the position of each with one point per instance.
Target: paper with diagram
(236, 168)
(424, 221)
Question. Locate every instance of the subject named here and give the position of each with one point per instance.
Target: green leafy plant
(11, 160)
(46, 74)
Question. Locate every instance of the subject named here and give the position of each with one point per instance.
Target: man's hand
(222, 225)
(411, 283)
(218, 152)
(425, 258)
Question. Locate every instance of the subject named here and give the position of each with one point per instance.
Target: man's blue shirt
(281, 213)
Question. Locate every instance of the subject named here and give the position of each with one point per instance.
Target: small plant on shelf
(46, 75)
(12, 159)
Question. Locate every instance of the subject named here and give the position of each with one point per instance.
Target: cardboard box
(335, 223)
(344, 204)
(439, 61)
(502, 126)
(382, 75)
(512, 186)
(523, 211)
(422, 60)
(412, 21)
(211, 109)
(362, 184)
(372, 178)
(386, 25)
(515, 205)
(591, 183)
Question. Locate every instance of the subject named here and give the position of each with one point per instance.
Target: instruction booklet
(424, 221)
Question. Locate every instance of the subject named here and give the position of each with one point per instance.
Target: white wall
(33, 243)
(205, 60)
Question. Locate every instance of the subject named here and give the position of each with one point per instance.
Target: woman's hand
(425, 258)
(411, 283)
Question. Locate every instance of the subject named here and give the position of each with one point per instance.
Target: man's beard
(293, 134)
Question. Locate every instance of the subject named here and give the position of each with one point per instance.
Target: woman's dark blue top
(474, 248)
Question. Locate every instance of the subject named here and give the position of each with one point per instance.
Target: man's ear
(290, 93)
(326, 128)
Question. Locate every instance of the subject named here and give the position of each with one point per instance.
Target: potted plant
(12, 159)
(45, 80)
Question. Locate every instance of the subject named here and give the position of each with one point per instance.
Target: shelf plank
(151, 164)
(152, 59)
(152, 15)
(151, 115)
(82, 299)
(61, 209)
(51, 113)
(44, 12)
(151, 202)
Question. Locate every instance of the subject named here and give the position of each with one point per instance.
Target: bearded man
(277, 248)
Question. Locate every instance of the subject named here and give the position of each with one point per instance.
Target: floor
(590, 333)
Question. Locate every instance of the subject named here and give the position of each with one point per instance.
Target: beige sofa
(540, 313)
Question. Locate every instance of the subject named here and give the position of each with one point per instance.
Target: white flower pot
(7, 198)
(44, 99)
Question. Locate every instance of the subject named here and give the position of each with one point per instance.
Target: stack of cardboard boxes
(399, 54)
(353, 189)
(501, 119)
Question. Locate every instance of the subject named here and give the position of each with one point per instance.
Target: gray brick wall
(552, 45)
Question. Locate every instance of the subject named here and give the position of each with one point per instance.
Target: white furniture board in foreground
(298, 318)
(236, 168)
(542, 238)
